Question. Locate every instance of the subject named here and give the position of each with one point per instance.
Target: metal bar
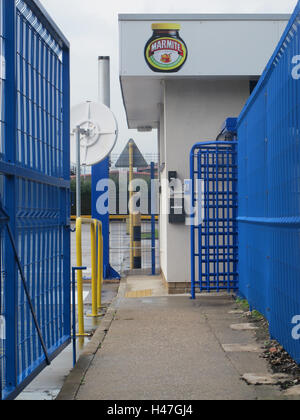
(100, 266)
(217, 223)
(192, 176)
(217, 238)
(10, 169)
(13, 244)
(130, 203)
(137, 240)
(235, 210)
(94, 268)
(207, 209)
(97, 268)
(153, 236)
(229, 219)
(201, 227)
(9, 32)
(2, 326)
(64, 86)
(78, 173)
(74, 269)
(79, 277)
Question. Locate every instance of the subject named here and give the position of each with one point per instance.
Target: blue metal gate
(269, 192)
(214, 246)
(34, 193)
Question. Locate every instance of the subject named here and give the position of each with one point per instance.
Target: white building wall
(193, 111)
(163, 219)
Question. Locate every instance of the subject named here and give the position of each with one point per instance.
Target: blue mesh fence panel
(269, 192)
(34, 190)
(214, 239)
(2, 277)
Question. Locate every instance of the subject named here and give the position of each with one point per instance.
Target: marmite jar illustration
(166, 52)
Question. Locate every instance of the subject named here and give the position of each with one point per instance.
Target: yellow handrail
(100, 267)
(119, 217)
(97, 268)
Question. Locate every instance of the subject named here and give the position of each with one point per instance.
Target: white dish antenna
(99, 132)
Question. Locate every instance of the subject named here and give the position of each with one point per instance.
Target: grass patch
(257, 315)
(243, 304)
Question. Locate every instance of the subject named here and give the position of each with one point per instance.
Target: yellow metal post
(100, 266)
(130, 203)
(94, 267)
(97, 269)
(137, 241)
(79, 277)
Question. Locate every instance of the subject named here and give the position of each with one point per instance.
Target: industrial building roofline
(199, 17)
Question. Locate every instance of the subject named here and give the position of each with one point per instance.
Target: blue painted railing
(269, 192)
(214, 239)
(34, 190)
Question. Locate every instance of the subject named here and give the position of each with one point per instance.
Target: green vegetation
(86, 192)
(243, 304)
(147, 235)
(257, 315)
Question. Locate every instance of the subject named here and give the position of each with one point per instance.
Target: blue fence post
(11, 301)
(66, 204)
(101, 172)
(153, 233)
(192, 217)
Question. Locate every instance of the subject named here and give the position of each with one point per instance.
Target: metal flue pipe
(104, 80)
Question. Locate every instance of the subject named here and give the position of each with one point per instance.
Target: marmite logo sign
(166, 44)
(165, 53)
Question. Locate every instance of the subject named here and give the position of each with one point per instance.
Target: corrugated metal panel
(269, 192)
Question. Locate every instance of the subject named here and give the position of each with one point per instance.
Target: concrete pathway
(169, 348)
(48, 384)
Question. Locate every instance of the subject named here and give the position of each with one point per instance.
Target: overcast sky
(92, 29)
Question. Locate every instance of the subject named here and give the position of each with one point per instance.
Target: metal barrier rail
(120, 247)
(214, 239)
(119, 217)
(97, 269)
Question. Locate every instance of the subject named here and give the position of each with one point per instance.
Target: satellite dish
(99, 132)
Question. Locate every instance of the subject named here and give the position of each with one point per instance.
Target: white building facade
(184, 75)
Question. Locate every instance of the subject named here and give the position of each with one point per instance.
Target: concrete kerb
(73, 382)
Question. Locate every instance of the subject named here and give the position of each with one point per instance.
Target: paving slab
(243, 348)
(236, 312)
(263, 379)
(293, 392)
(243, 327)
